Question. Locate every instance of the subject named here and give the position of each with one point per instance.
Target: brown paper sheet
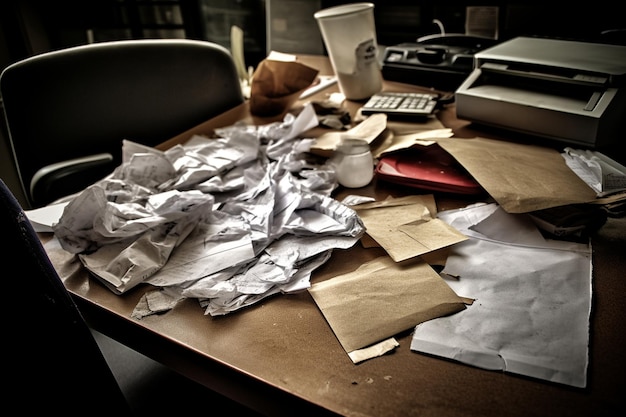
(520, 177)
(381, 299)
(406, 227)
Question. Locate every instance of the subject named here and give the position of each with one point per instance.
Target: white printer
(569, 91)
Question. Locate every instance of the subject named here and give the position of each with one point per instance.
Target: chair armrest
(66, 177)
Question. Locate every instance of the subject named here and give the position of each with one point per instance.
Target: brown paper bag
(277, 85)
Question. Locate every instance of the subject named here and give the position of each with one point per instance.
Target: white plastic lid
(343, 10)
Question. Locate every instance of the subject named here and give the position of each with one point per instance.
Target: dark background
(34, 26)
(30, 27)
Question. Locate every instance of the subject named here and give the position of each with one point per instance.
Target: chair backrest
(85, 100)
(53, 360)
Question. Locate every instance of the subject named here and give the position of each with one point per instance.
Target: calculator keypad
(407, 104)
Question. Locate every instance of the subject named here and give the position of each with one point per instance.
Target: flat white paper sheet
(533, 299)
(43, 218)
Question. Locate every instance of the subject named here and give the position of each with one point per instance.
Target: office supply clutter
(338, 225)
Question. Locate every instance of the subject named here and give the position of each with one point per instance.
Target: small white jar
(354, 164)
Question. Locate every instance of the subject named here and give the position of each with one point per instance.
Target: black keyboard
(402, 104)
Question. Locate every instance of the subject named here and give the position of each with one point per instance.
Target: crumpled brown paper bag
(277, 85)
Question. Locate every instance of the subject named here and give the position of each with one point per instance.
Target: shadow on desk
(157, 388)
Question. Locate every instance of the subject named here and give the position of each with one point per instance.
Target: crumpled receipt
(228, 220)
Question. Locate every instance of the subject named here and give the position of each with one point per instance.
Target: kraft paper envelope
(381, 299)
(520, 177)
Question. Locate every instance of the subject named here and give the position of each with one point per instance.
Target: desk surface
(281, 357)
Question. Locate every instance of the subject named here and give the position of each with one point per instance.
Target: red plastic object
(429, 168)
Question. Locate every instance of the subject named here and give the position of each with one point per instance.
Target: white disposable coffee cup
(349, 34)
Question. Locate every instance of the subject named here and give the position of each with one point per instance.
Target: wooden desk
(281, 357)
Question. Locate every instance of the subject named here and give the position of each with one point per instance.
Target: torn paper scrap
(377, 349)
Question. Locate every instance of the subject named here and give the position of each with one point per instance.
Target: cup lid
(342, 10)
(353, 146)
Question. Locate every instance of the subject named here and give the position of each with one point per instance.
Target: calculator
(401, 104)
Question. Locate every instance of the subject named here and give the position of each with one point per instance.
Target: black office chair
(68, 111)
(52, 360)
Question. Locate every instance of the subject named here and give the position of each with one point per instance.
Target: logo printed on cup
(366, 54)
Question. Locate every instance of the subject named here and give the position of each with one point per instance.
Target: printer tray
(428, 168)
